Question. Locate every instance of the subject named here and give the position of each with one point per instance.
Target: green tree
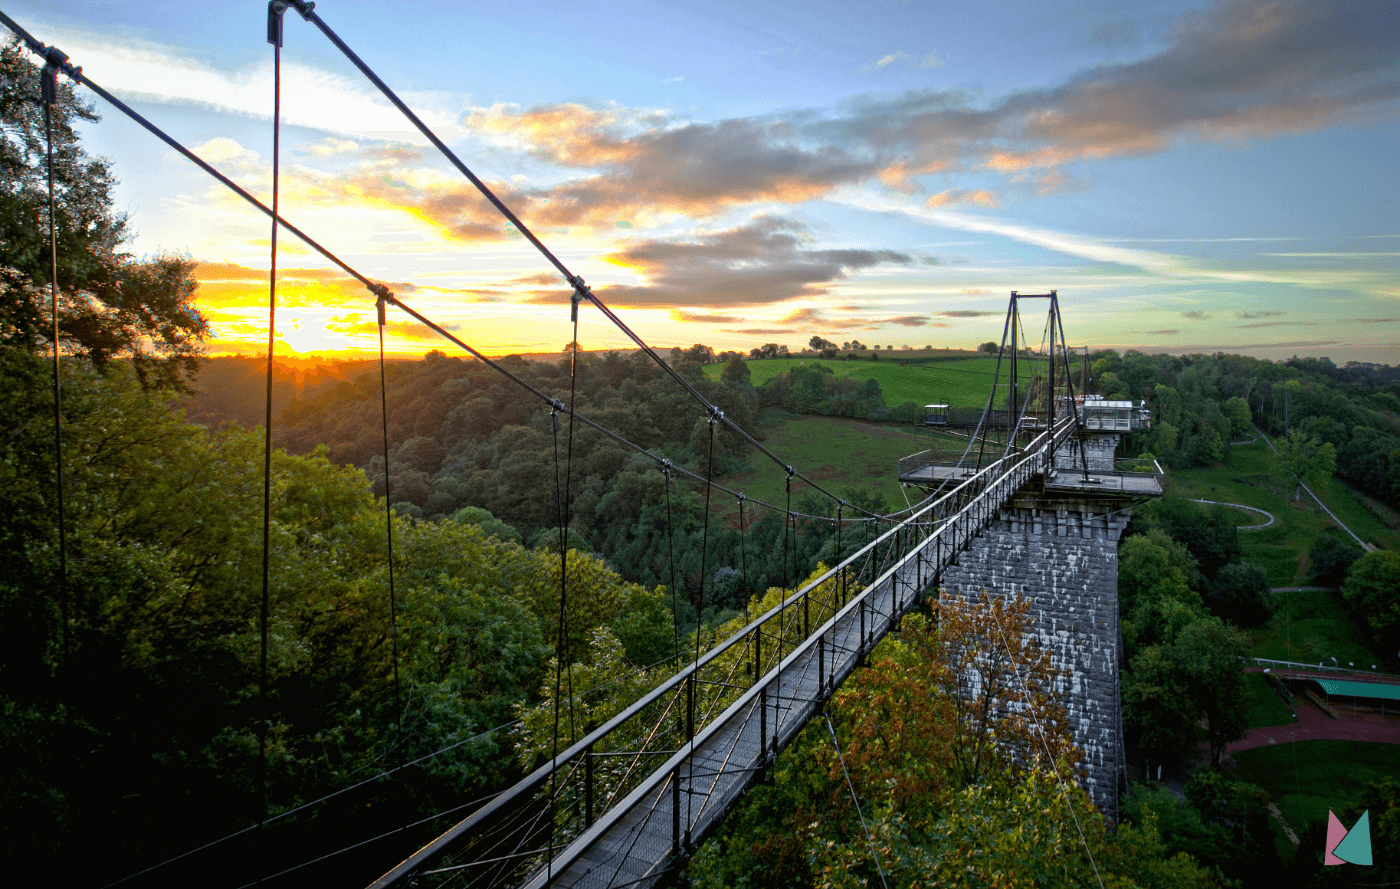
(1240, 594)
(989, 348)
(736, 372)
(109, 304)
(1372, 589)
(1208, 655)
(1307, 459)
(1332, 556)
(1159, 716)
(482, 518)
(1237, 409)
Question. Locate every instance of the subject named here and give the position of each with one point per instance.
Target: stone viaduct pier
(1055, 544)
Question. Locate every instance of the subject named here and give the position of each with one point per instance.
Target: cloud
(1160, 332)
(963, 196)
(905, 60)
(221, 151)
(760, 331)
(911, 321)
(1247, 69)
(331, 145)
(1277, 324)
(765, 260)
(695, 170)
(1196, 315)
(1261, 313)
(702, 318)
(967, 313)
(223, 284)
(1058, 182)
(806, 317)
(355, 326)
(146, 71)
(1115, 34)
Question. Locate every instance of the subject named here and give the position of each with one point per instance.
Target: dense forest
(1202, 402)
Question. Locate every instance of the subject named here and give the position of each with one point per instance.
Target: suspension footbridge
(627, 801)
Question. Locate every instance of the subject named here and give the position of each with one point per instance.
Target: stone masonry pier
(1056, 546)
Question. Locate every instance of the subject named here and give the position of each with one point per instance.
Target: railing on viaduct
(626, 802)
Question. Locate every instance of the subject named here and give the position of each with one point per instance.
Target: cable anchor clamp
(382, 296)
(54, 61)
(581, 292)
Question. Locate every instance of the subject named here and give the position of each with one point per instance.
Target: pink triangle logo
(1335, 834)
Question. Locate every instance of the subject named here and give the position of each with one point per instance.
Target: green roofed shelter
(1359, 689)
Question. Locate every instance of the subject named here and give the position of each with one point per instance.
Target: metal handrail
(975, 486)
(1321, 667)
(1012, 477)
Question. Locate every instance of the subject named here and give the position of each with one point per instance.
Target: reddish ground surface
(1315, 725)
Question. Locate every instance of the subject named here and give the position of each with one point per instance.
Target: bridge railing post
(588, 760)
(676, 811)
(762, 718)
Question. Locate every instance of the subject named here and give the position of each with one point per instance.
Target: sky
(1187, 177)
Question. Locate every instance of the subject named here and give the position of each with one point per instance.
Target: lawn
(1313, 627)
(1265, 706)
(1308, 777)
(839, 454)
(1251, 477)
(960, 382)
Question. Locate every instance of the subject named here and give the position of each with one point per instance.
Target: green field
(1314, 626)
(1265, 706)
(1308, 777)
(839, 454)
(960, 382)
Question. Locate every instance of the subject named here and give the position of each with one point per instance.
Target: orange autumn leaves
(947, 707)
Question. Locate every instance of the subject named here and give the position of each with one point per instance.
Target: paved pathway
(1314, 725)
(1268, 515)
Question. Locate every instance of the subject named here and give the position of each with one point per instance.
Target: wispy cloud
(765, 260)
(906, 60)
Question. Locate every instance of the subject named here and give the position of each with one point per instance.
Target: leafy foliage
(1372, 589)
(109, 304)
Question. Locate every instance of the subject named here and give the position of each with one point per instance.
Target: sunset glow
(1189, 178)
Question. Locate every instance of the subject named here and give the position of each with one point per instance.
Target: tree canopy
(110, 304)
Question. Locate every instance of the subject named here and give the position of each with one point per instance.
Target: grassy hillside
(1312, 627)
(1252, 477)
(1308, 777)
(839, 454)
(962, 382)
